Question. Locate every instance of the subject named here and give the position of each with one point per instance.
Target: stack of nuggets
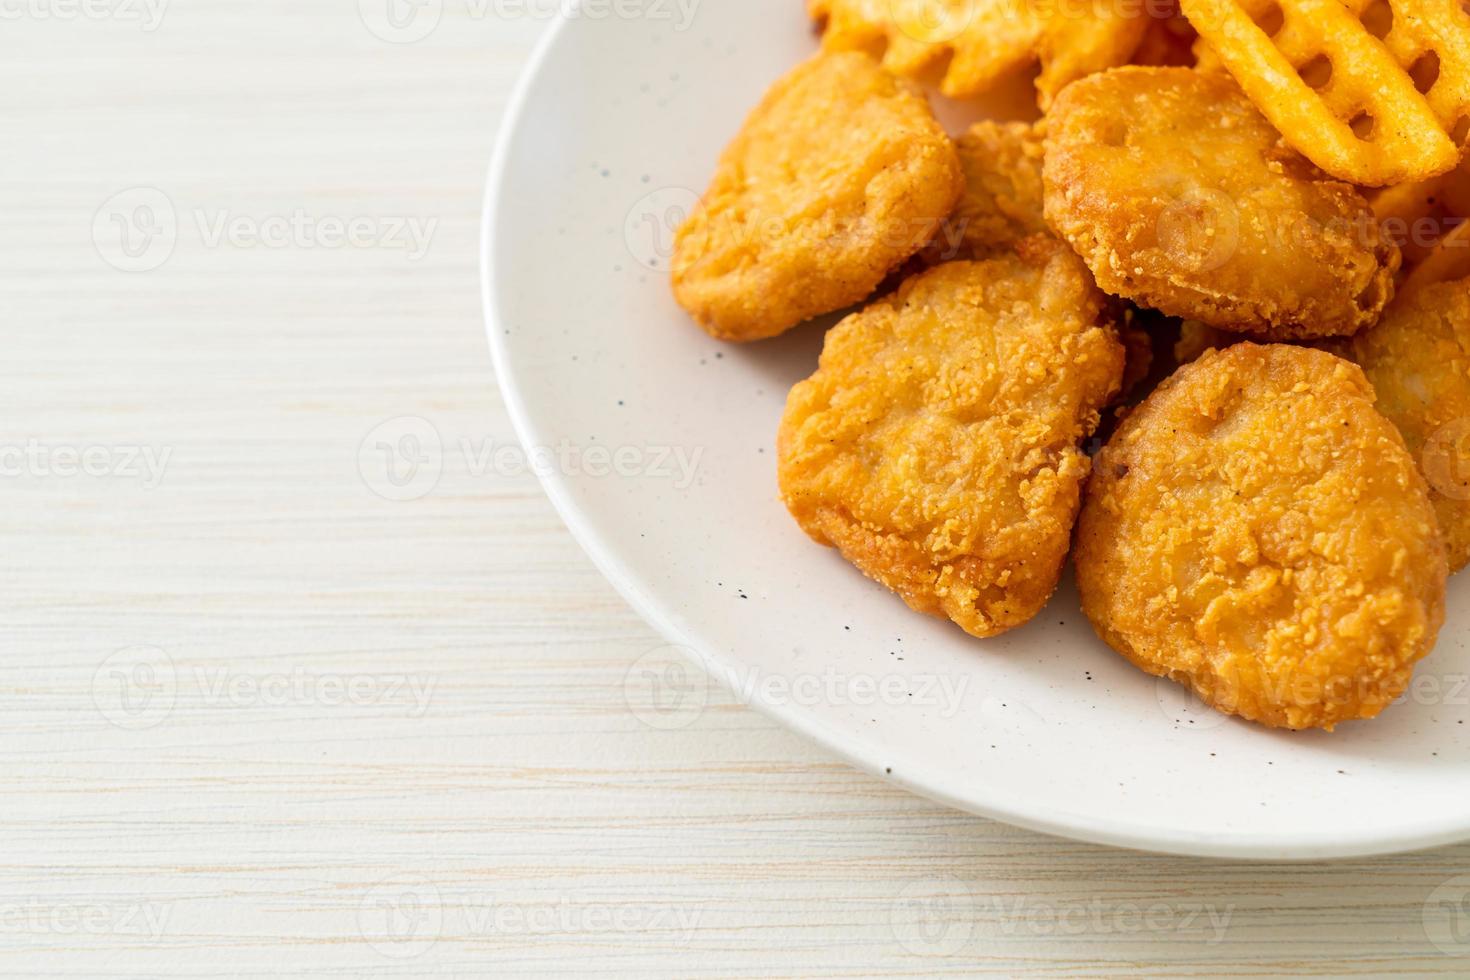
(1255, 528)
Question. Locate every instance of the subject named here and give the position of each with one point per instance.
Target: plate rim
(922, 781)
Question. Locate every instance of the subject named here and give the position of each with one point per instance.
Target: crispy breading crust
(1418, 359)
(1257, 531)
(1179, 195)
(839, 175)
(937, 444)
(1002, 201)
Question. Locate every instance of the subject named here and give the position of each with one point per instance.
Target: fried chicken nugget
(838, 176)
(1002, 200)
(1179, 195)
(936, 446)
(974, 44)
(1418, 359)
(1257, 531)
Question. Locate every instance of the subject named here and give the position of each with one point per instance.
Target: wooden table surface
(262, 716)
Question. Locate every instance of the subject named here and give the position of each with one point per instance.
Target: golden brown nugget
(974, 44)
(936, 446)
(1002, 201)
(1256, 530)
(1180, 196)
(838, 176)
(1418, 359)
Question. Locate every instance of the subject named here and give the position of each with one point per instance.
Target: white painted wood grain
(395, 738)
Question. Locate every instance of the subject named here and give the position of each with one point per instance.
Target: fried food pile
(1205, 332)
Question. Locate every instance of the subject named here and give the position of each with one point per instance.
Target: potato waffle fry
(975, 44)
(1084, 38)
(1372, 91)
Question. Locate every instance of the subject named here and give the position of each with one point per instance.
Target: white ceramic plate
(616, 125)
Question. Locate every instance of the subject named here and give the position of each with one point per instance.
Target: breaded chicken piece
(1002, 201)
(1418, 359)
(975, 44)
(838, 176)
(1257, 531)
(936, 446)
(1179, 195)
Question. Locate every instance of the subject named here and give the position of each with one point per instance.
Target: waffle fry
(1372, 91)
(975, 44)
(1078, 41)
